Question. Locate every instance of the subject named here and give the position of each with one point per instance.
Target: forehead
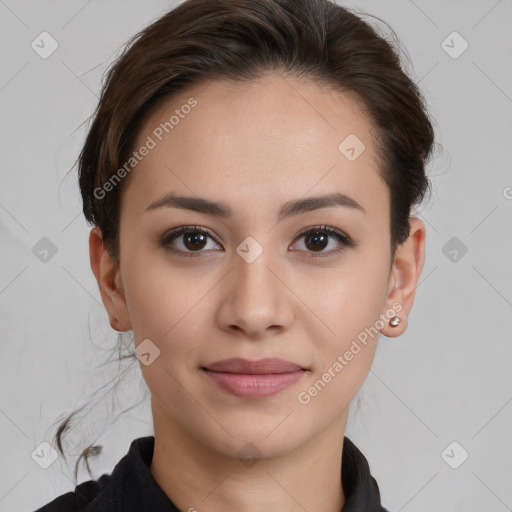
(276, 136)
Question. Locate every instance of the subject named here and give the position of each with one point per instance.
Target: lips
(254, 379)
(259, 367)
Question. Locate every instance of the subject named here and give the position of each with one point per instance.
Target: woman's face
(254, 286)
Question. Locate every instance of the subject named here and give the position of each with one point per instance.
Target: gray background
(446, 379)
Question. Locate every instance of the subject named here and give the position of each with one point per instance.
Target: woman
(250, 175)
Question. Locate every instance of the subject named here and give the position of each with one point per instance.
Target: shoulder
(129, 486)
(90, 496)
(360, 487)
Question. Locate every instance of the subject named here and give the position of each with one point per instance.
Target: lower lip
(255, 386)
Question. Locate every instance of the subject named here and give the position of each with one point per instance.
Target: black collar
(132, 488)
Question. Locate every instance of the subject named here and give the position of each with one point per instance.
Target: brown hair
(240, 40)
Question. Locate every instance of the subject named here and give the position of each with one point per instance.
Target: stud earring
(394, 321)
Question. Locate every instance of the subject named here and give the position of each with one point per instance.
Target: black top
(132, 488)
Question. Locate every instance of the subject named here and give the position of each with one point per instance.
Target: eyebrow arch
(288, 209)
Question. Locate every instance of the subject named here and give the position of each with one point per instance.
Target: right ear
(108, 276)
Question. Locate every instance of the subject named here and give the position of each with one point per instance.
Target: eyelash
(344, 240)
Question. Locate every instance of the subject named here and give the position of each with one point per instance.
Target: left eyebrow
(288, 209)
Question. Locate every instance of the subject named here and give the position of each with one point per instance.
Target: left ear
(405, 272)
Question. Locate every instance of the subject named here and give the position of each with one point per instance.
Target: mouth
(258, 367)
(254, 379)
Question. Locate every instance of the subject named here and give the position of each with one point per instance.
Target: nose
(256, 300)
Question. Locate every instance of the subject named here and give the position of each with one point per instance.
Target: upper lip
(258, 367)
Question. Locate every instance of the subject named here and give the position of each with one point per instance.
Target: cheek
(155, 294)
(349, 304)
(344, 355)
(167, 306)
(351, 297)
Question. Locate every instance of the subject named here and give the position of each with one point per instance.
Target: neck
(196, 477)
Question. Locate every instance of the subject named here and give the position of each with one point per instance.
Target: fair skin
(255, 146)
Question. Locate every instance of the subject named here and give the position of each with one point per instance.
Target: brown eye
(317, 239)
(192, 239)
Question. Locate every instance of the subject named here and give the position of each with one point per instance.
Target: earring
(394, 321)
